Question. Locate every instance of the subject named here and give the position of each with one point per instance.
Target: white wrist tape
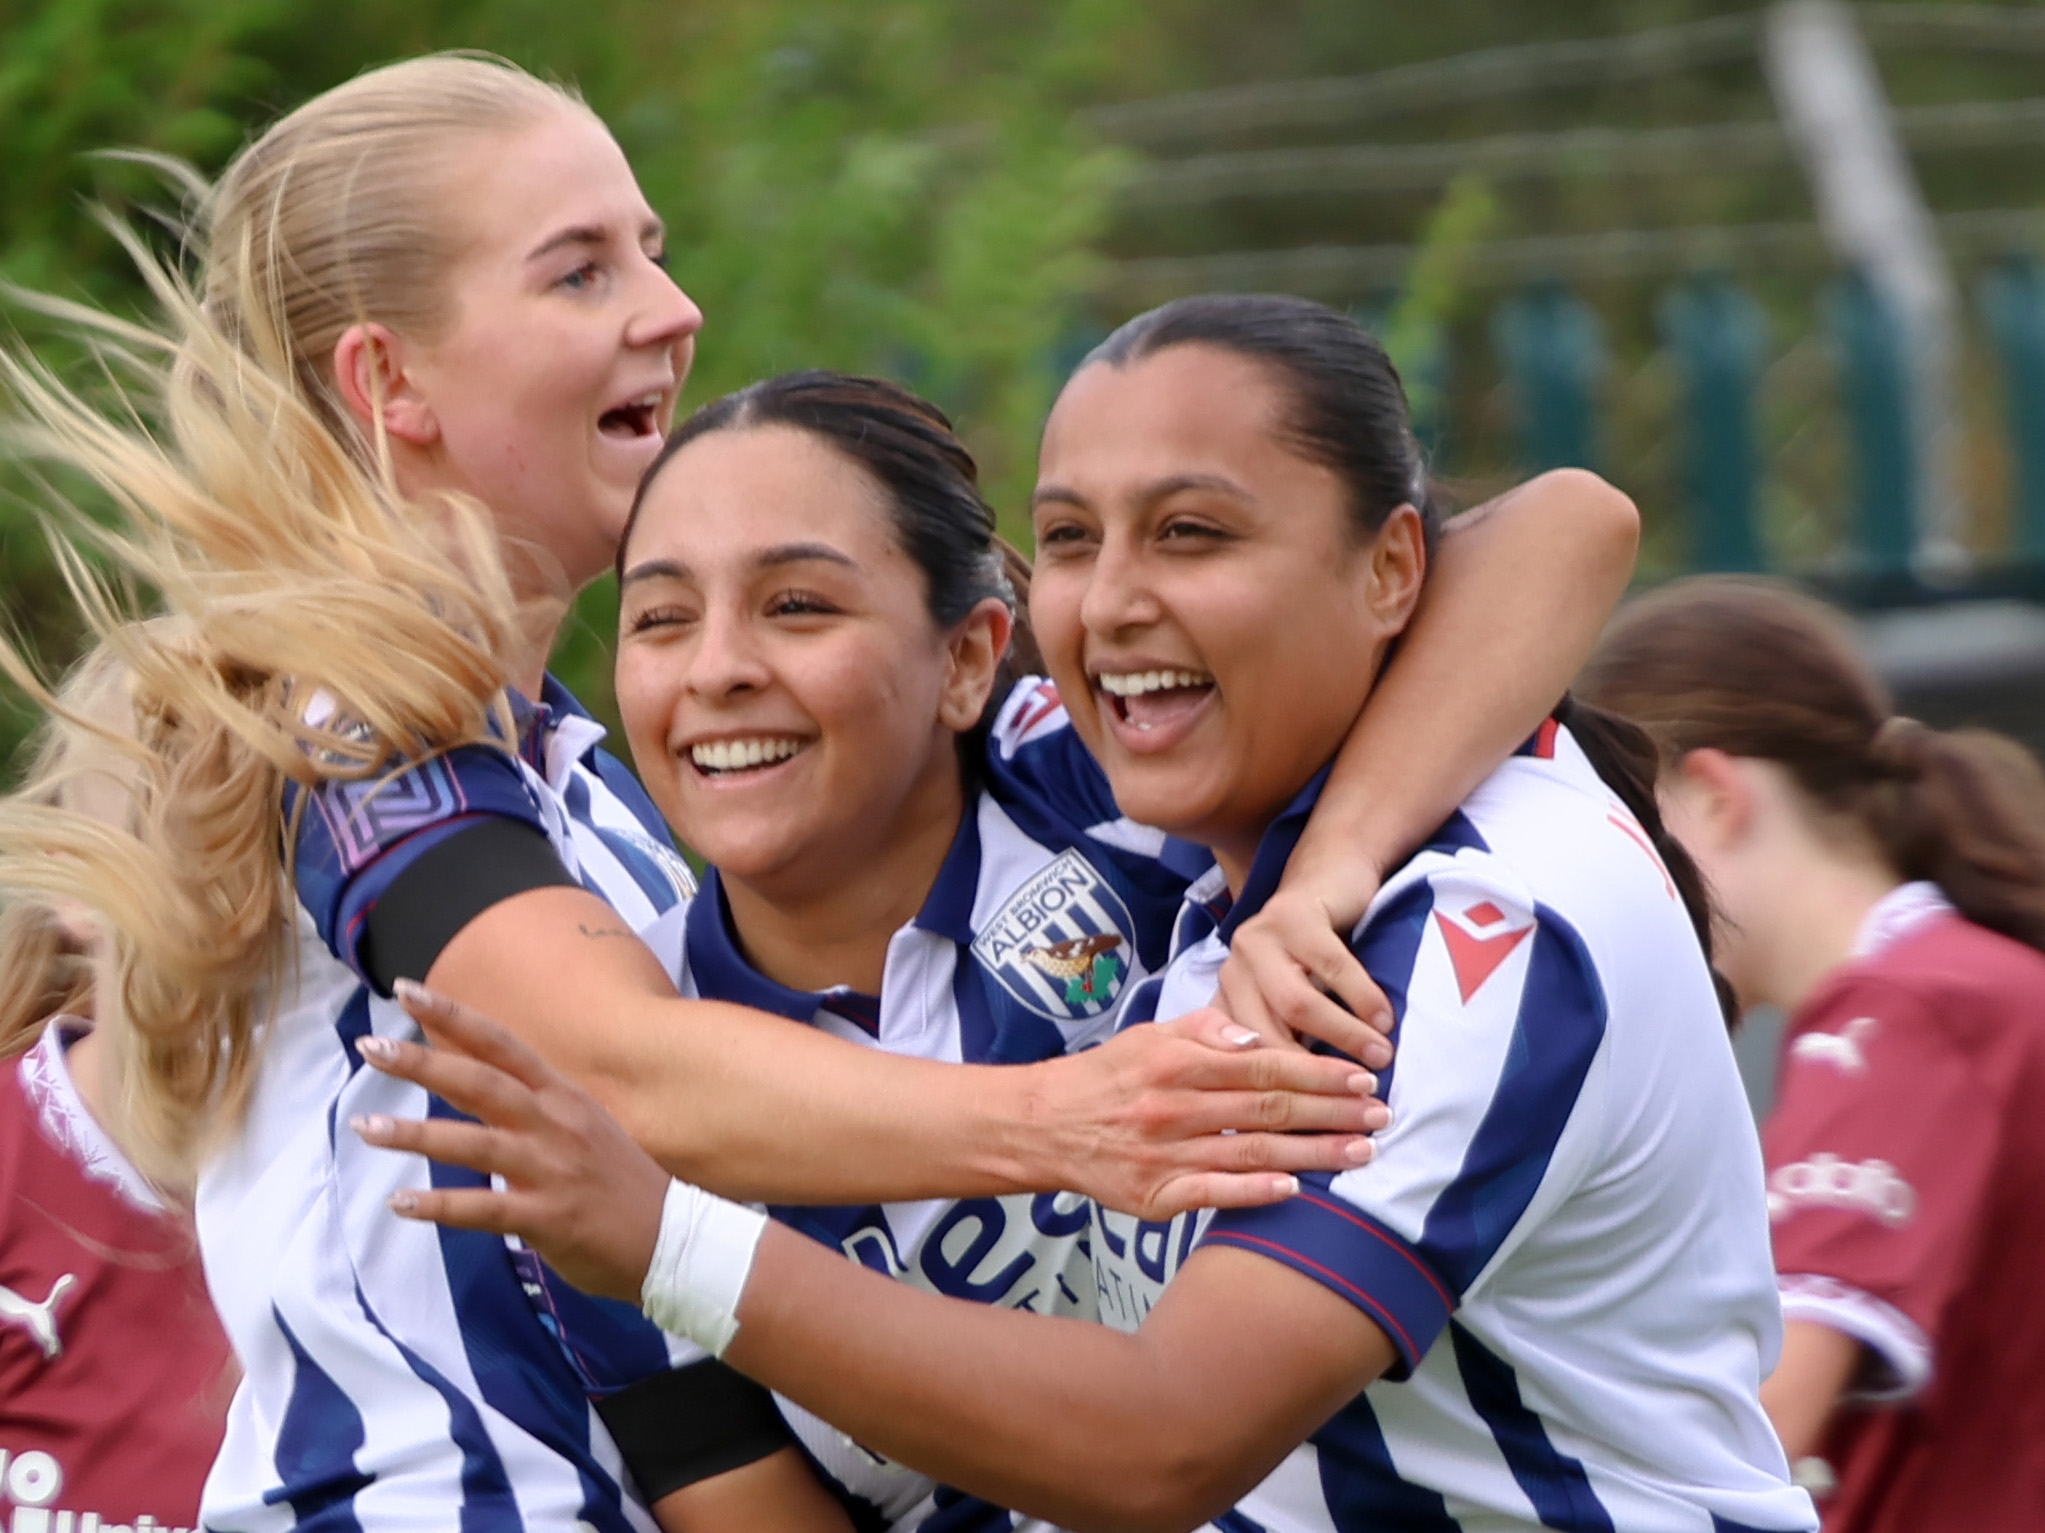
(700, 1264)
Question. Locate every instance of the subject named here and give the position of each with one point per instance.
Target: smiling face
(1210, 616)
(547, 395)
(792, 706)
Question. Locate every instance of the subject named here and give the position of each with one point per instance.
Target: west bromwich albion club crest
(1061, 944)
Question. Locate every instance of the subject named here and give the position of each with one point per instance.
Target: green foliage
(896, 186)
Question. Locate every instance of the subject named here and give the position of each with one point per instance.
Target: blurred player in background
(114, 1374)
(1884, 884)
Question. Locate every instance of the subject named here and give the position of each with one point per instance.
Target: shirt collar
(723, 973)
(1902, 910)
(1274, 850)
(555, 732)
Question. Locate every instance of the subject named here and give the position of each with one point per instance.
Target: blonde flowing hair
(46, 962)
(303, 585)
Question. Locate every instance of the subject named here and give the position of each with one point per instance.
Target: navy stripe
(1236, 1522)
(316, 1445)
(520, 1371)
(648, 874)
(1554, 1482)
(1365, 1494)
(1349, 1253)
(625, 788)
(1388, 950)
(1140, 1004)
(1727, 1525)
(1456, 833)
(957, 1512)
(1560, 1025)
(487, 1503)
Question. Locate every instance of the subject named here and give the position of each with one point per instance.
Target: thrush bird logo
(1086, 964)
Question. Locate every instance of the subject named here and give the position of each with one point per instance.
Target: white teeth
(737, 755)
(1136, 683)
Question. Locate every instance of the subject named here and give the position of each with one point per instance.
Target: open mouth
(636, 418)
(1150, 699)
(731, 758)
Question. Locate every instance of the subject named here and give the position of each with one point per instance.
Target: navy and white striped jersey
(1049, 908)
(397, 1376)
(1564, 1231)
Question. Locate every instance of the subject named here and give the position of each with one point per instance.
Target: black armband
(692, 1423)
(451, 884)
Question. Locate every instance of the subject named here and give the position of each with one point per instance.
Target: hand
(577, 1189)
(1199, 1112)
(1290, 973)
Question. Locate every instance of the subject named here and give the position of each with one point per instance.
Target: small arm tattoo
(601, 931)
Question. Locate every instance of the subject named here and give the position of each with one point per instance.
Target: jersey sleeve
(1499, 1021)
(355, 838)
(1880, 1153)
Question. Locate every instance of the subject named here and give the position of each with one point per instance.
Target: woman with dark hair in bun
(1545, 1299)
(1883, 883)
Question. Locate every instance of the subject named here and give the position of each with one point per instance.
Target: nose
(724, 662)
(1118, 596)
(666, 316)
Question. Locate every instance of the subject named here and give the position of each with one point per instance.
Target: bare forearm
(1817, 1364)
(1521, 589)
(755, 1107)
(1061, 1419)
(764, 1111)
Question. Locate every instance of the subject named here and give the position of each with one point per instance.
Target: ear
(1398, 566)
(975, 650)
(369, 373)
(1712, 801)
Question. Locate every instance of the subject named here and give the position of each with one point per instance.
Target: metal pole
(1876, 222)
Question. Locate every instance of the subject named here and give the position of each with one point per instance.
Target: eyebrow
(1150, 494)
(592, 234)
(767, 558)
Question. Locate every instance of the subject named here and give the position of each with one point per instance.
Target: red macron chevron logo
(1478, 942)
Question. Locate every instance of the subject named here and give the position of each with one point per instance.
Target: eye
(1186, 529)
(582, 279)
(658, 258)
(1063, 537)
(669, 616)
(799, 604)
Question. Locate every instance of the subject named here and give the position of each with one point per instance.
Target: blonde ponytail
(272, 531)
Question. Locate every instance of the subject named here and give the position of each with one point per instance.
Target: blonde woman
(433, 347)
(114, 1374)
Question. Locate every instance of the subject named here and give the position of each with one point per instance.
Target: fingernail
(374, 1047)
(1382, 1021)
(1358, 1152)
(402, 1202)
(1379, 1120)
(411, 990)
(1377, 1055)
(1238, 1035)
(1288, 1187)
(373, 1126)
(1363, 1083)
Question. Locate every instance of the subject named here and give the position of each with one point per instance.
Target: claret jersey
(114, 1375)
(397, 1375)
(1562, 1233)
(1906, 1182)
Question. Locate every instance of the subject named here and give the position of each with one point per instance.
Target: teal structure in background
(1718, 338)
(1553, 352)
(2013, 308)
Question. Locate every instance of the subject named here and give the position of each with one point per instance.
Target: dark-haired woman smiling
(1546, 1302)
(910, 849)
